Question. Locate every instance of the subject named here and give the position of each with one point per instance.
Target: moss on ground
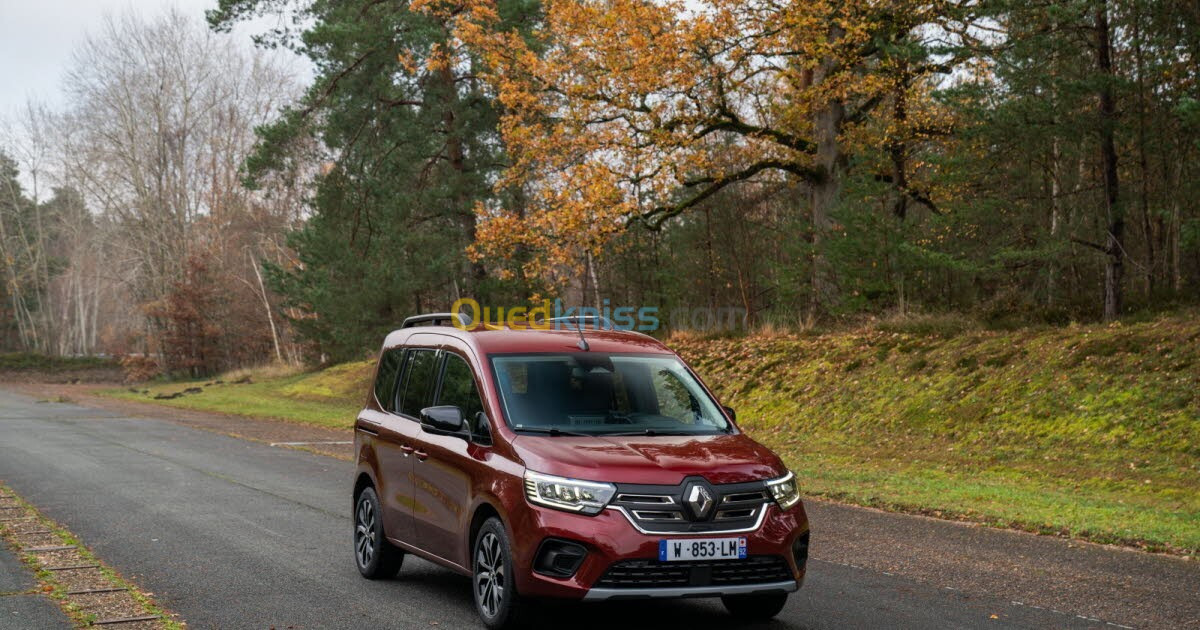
(1088, 431)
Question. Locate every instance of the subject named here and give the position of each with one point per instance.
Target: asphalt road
(231, 533)
(22, 607)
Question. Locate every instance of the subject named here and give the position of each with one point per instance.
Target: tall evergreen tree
(408, 138)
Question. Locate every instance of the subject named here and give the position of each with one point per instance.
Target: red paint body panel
(732, 458)
(609, 537)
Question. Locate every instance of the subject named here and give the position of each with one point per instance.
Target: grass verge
(37, 539)
(329, 398)
(16, 361)
(1091, 432)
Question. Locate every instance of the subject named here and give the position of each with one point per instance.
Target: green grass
(25, 361)
(330, 398)
(1085, 431)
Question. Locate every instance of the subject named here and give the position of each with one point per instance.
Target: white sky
(37, 37)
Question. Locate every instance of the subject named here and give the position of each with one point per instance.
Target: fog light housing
(558, 558)
(800, 551)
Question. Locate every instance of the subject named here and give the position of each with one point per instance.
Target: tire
(755, 607)
(493, 586)
(374, 556)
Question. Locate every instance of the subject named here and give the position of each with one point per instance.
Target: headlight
(572, 495)
(784, 490)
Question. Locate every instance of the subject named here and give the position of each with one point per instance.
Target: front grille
(662, 509)
(653, 573)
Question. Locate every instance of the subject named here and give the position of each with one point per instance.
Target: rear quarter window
(385, 379)
(418, 382)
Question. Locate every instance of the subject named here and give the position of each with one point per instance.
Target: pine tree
(408, 137)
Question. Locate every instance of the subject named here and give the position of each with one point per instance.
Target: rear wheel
(495, 590)
(375, 557)
(755, 607)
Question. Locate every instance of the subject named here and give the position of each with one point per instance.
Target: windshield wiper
(552, 431)
(651, 432)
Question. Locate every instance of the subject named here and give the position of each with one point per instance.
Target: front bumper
(610, 538)
(669, 592)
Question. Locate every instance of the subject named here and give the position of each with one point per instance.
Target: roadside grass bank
(31, 367)
(1091, 432)
(327, 398)
(88, 591)
(1085, 431)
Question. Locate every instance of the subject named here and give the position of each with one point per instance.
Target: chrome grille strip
(745, 497)
(648, 529)
(657, 516)
(645, 499)
(725, 515)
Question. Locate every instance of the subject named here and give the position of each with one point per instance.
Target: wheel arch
(362, 481)
(482, 513)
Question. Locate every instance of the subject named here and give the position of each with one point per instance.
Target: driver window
(458, 389)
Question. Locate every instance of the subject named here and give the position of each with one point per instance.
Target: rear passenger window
(419, 380)
(458, 389)
(385, 380)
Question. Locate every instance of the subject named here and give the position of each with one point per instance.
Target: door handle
(422, 455)
(408, 450)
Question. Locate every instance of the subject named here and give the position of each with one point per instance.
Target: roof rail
(437, 319)
(597, 321)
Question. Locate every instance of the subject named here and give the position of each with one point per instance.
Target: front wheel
(755, 607)
(492, 582)
(376, 558)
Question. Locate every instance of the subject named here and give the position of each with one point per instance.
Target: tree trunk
(826, 192)
(262, 289)
(456, 155)
(1148, 230)
(1055, 217)
(1055, 180)
(1114, 269)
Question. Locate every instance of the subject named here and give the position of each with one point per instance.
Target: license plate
(702, 549)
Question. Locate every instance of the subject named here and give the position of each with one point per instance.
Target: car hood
(667, 460)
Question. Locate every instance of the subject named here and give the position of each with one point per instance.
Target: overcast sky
(37, 36)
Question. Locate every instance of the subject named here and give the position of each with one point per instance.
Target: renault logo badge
(700, 501)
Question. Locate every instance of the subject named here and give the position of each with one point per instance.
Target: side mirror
(483, 429)
(446, 418)
(731, 413)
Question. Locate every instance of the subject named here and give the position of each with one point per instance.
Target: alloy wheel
(489, 575)
(364, 532)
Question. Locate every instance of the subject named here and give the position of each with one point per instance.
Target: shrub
(140, 368)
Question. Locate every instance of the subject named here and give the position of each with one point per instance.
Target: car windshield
(596, 393)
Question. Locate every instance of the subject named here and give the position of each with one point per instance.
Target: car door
(448, 464)
(392, 438)
(415, 392)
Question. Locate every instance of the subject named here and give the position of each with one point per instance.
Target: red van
(585, 463)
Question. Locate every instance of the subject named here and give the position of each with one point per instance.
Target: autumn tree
(161, 120)
(633, 112)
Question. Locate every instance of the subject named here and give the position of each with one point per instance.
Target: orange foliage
(620, 111)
